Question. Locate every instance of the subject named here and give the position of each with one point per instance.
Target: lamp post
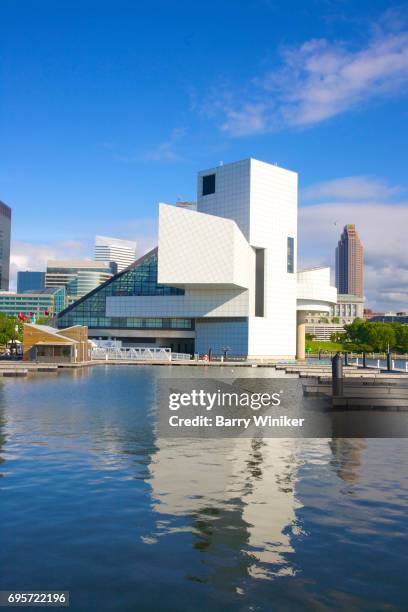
(225, 350)
(13, 347)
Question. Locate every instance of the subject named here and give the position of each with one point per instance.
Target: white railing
(137, 354)
(180, 356)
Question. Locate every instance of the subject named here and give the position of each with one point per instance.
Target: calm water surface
(92, 501)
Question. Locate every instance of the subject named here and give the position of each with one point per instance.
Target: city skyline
(106, 132)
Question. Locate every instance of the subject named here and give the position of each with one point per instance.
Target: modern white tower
(120, 253)
(262, 199)
(236, 257)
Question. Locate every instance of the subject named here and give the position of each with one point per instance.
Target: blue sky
(107, 108)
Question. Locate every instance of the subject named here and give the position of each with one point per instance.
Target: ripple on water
(92, 500)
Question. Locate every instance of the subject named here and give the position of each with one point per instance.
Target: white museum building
(224, 275)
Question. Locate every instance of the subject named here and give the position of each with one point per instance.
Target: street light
(13, 347)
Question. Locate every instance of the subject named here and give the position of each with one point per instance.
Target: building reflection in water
(347, 457)
(238, 493)
(3, 423)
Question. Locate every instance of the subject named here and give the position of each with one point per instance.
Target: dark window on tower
(291, 255)
(259, 282)
(208, 184)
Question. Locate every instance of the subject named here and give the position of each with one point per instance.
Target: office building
(324, 332)
(348, 308)
(45, 302)
(78, 277)
(390, 317)
(349, 263)
(30, 281)
(5, 231)
(223, 277)
(119, 253)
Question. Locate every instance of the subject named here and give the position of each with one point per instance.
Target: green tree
(401, 336)
(340, 337)
(381, 336)
(11, 328)
(357, 333)
(375, 336)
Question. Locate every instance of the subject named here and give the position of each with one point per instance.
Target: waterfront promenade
(297, 369)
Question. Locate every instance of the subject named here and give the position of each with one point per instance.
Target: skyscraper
(119, 253)
(349, 263)
(5, 229)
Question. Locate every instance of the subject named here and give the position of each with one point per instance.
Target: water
(93, 502)
(399, 364)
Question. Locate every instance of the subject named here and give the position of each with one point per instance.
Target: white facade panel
(232, 193)
(199, 249)
(195, 303)
(314, 292)
(273, 219)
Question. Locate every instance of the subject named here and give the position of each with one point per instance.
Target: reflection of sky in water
(136, 522)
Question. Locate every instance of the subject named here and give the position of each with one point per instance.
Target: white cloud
(318, 80)
(250, 119)
(382, 228)
(350, 188)
(164, 151)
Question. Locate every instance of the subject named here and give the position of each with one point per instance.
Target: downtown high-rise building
(78, 276)
(117, 252)
(350, 263)
(5, 231)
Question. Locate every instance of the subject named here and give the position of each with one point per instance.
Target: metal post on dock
(337, 375)
(364, 360)
(389, 362)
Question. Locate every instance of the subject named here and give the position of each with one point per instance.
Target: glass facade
(29, 280)
(291, 255)
(259, 282)
(49, 301)
(141, 280)
(78, 280)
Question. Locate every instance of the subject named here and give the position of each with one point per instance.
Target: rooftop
(77, 263)
(109, 241)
